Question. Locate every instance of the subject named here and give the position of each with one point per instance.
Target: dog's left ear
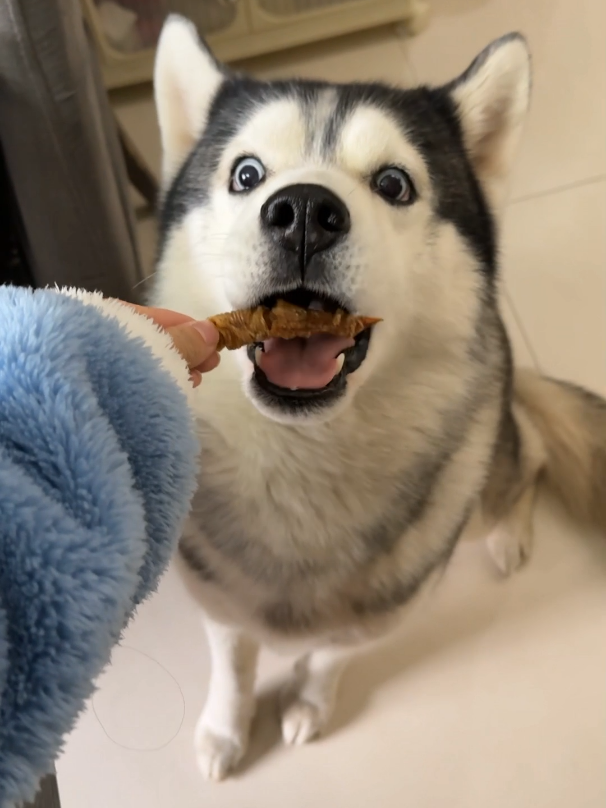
(186, 79)
(492, 98)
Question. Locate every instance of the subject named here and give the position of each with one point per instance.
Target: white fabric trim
(139, 326)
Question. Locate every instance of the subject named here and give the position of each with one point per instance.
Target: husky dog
(337, 476)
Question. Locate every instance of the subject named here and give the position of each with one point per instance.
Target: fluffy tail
(572, 425)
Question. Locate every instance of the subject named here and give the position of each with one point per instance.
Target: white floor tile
(566, 132)
(492, 695)
(554, 254)
(523, 353)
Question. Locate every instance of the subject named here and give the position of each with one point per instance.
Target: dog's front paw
(217, 755)
(301, 722)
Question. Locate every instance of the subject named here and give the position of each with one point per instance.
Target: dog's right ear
(186, 79)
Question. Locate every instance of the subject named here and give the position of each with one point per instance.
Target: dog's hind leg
(308, 702)
(509, 497)
(223, 729)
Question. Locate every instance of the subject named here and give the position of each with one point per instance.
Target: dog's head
(365, 197)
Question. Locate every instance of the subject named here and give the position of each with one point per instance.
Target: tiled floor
(494, 695)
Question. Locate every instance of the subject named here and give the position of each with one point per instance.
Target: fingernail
(208, 331)
(195, 378)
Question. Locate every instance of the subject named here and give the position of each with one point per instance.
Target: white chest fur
(297, 490)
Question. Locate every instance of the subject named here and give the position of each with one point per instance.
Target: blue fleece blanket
(97, 468)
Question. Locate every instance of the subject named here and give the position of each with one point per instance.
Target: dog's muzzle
(296, 374)
(305, 224)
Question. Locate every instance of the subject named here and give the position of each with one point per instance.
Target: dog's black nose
(305, 219)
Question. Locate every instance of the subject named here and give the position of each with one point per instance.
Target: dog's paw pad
(301, 722)
(216, 755)
(507, 551)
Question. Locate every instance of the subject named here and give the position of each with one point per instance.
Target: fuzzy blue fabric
(97, 469)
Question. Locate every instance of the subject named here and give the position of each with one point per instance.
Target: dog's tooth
(258, 352)
(340, 362)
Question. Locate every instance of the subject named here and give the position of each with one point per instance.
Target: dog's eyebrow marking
(318, 118)
(341, 112)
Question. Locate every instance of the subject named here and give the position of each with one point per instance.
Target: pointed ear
(492, 98)
(186, 79)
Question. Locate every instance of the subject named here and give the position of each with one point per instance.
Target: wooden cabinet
(125, 31)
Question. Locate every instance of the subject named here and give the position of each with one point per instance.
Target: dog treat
(284, 321)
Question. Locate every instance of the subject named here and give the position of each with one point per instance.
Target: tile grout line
(520, 325)
(571, 186)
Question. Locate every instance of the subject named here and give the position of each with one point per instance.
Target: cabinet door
(128, 58)
(219, 19)
(327, 17)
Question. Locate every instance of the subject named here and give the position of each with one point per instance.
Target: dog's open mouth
(312, 368)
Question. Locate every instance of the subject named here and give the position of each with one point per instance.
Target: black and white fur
(318, 519)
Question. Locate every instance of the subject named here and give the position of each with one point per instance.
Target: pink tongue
(302, 364)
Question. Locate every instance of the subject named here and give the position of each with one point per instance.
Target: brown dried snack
(284, 321)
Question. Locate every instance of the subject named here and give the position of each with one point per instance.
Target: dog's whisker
(146, 279)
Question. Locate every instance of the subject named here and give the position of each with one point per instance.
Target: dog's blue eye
(394, 185)
(247, 174)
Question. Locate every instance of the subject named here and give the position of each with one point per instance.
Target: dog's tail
(572, 425)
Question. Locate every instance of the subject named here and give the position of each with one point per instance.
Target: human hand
(195, 341)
